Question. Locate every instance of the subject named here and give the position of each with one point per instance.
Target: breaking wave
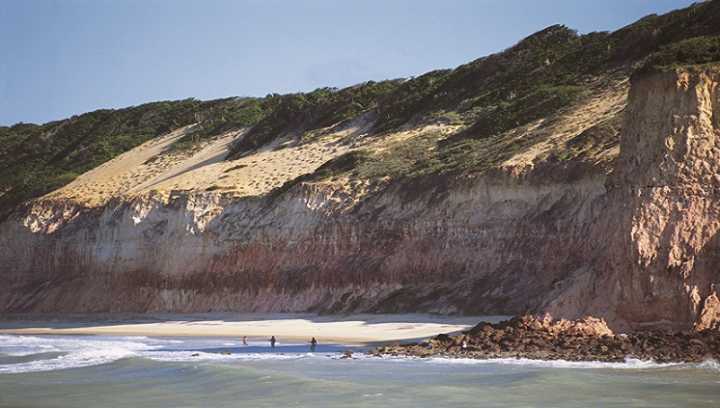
(65, 352)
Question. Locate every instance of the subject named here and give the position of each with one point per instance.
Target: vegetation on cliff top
(534, 79)
(693, 51)
(486, 97)
(37, 159)
(220, 116)
(301, 112)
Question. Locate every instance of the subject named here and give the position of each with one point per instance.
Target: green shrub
(302, 112)
(693, 51)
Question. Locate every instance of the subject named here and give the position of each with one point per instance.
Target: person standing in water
(244, 340)
(272, 342)
(313, 344)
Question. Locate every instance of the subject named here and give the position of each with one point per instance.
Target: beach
(349, 329)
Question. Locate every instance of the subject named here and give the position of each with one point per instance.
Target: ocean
(134, 371)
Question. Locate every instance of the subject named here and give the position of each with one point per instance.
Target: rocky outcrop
(548, 339)
(636, 248)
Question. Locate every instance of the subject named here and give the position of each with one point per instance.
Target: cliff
(660, 252)
(568, 188)
(143, 233)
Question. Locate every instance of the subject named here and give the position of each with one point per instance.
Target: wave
(628, 364)
(50, 353)
(711, 365)
(26, 345)
(186, 356)
(77, 351)
(83, 351)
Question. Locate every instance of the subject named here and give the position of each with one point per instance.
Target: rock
(579, 340)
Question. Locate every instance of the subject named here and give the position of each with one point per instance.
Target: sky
(64, 57)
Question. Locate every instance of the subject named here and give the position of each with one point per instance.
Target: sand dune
(157, 167)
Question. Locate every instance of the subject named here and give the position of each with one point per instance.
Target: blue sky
(63, 57)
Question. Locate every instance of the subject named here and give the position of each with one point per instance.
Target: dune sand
(354, 329)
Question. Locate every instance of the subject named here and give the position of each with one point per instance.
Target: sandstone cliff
(656, 238)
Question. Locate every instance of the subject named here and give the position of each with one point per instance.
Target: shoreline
(350, 329)
(399, 335)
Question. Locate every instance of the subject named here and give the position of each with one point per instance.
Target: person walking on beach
(244, 340)
(313, 344)
(272, 342)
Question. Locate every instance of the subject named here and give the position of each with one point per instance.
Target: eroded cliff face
(660, 261)
(638, 247)
(484, 246)
(669, 175)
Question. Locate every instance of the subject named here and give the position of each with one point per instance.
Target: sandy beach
(353, 329)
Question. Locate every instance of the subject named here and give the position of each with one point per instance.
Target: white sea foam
(29, 345)
(77, 351)
(84, 351)
(628, 364)
(712, 365)
(185, 356)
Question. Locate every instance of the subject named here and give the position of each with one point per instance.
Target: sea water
(130, 371)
